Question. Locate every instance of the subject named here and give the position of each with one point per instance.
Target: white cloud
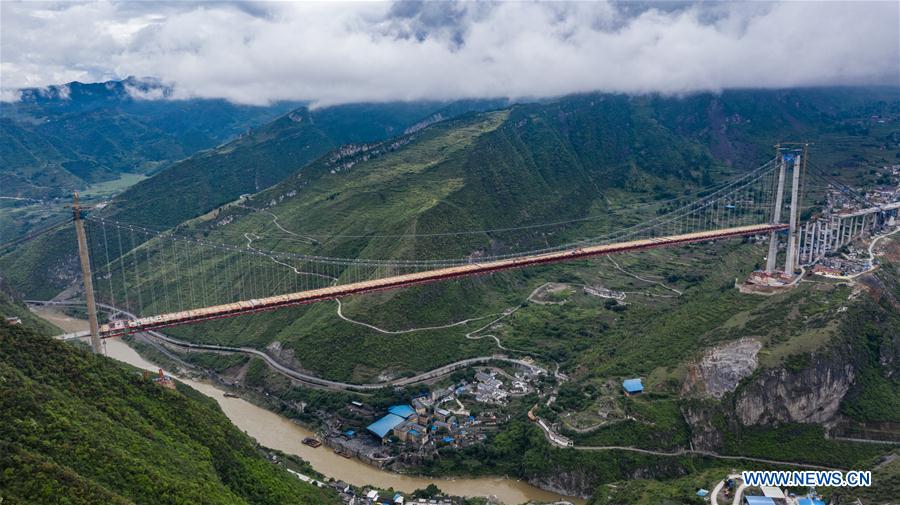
(336, 52)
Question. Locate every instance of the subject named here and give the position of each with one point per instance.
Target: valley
(274, 431)
(450, 252)
(530, 362)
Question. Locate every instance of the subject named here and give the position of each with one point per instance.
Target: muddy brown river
(277, 432)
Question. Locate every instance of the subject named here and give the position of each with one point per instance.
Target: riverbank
(277, 432)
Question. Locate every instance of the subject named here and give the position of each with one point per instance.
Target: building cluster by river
(449, 417)
(277, 432)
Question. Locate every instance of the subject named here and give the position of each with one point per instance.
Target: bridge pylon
(791, 260)
(776, 213)
(796, 158)
(84, 256)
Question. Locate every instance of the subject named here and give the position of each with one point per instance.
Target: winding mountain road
(297, 375)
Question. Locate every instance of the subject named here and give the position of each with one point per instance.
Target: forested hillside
(591, 155)
(10, 306)
(530, 176)
(77, 428)
(267, 155)
(64, 138)
(196, 185)
(526, 165)
(672, 140)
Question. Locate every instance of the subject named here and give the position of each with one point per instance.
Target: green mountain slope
(736, 127)
(254, 161)
(54, 142)
(10, 306)
(266, 156)
(528, 164)
(740, 127)
(77, 428)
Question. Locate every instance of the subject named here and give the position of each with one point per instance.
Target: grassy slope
(524, 165)
(78, 428)
(541, 163)
(11, 307)
(738, 127)
(54, 142)
(202, 182)
(261, 159)
(652, 337)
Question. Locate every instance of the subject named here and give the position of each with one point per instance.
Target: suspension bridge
(165, 278)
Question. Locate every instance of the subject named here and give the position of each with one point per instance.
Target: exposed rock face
(722, 368)
(570, 483)
(66, 270)
(810, 395)
(583, 482)
(705, 436)
(282, 355)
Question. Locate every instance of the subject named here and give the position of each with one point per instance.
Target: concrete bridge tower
(776, 215)
(790, 262)
(86, 276)
(796, 159)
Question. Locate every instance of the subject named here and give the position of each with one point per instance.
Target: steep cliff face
(722, 368)
(567, 482)
(808, 392)
(705, 434)
(581, 480)
(812, 394)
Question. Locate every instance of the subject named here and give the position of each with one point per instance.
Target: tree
(429, 492)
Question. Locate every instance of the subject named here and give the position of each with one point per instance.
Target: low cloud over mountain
(334, 53)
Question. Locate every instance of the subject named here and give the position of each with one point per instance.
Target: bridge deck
(118, 328)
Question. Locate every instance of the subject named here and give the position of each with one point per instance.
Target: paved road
(289, 372)
(867, 440)
(715, 493)
(432, 374)
(714, 496)
(688, 452)
(738, 493)
(550, 435)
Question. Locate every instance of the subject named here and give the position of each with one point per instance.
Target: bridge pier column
(817, 235)
(835, 234)
(801, 244)
(840, 234)
(813, 230)
(848, 230)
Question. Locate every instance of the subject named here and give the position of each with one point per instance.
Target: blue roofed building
(411, 432)
(404, 411)
(758, 500)
(633, 386)
(397, 415)
(382, 427)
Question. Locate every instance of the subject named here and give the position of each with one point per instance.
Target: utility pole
(86, 277)
(776, 217)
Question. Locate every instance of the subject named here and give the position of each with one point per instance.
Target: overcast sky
(341, 52)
